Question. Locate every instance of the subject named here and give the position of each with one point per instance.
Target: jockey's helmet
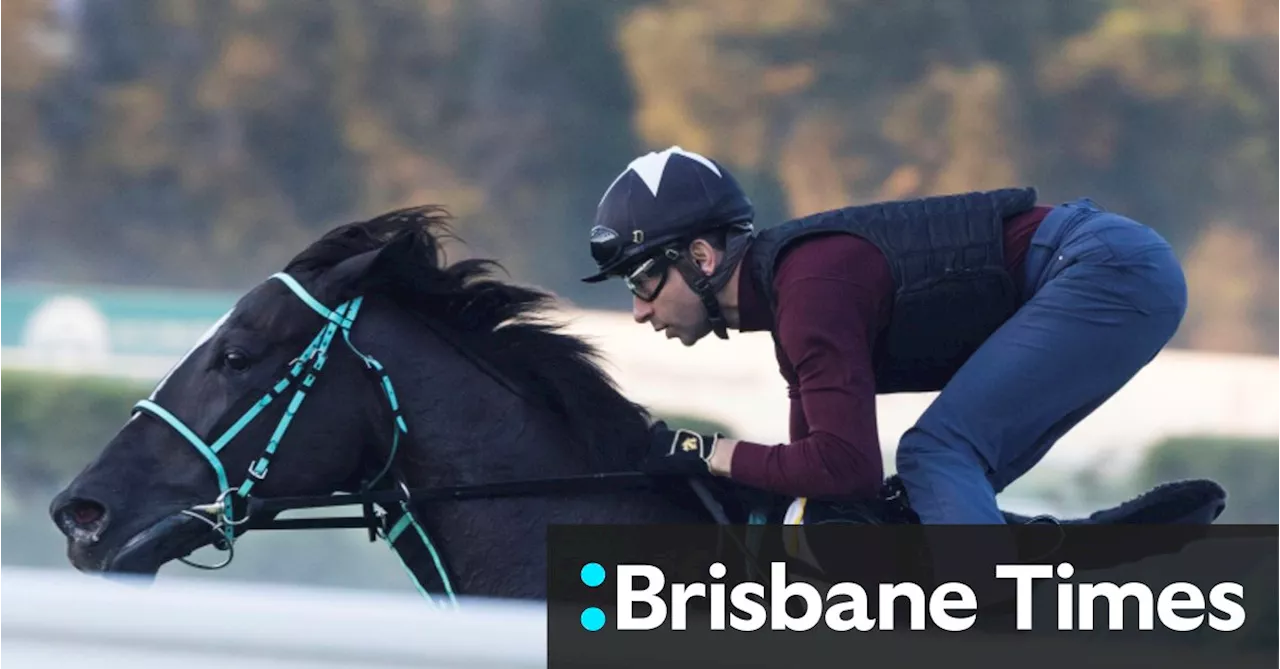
(662, 198)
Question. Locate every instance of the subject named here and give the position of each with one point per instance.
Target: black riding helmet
(659, 203)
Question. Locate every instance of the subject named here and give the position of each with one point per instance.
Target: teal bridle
(301, 376)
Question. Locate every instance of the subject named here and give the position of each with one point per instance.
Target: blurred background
(163, 156)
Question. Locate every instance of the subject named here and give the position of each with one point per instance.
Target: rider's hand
(678, 451)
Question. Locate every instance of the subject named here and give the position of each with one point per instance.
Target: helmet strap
(701, 285)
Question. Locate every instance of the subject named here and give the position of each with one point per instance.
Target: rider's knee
(941, 436)
(916, 443)
(924, 447)
(1166, 286)
(1157, 284)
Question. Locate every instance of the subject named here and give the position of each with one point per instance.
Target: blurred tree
(202, 143)
(35, 51)
(1163, 110)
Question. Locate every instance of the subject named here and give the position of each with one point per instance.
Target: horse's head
(212, 426)
(279, 398)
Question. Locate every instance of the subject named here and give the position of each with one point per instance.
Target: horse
(439, 398)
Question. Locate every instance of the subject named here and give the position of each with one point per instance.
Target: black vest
(946, 254)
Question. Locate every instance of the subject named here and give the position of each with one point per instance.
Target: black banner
(914, 596)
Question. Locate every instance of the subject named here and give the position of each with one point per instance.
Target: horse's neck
(478, 431)
(467, 424)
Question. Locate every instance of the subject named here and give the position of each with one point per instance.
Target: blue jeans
(1102, 295)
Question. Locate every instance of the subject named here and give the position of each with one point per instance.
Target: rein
(581, 484)
(236, 508)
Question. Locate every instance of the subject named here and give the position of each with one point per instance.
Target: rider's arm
(832, 297)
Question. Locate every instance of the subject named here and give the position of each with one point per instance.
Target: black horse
(420, 389)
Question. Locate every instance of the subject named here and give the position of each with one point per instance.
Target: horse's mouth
(172, 537)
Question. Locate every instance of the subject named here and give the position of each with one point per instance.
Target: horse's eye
(235, 361)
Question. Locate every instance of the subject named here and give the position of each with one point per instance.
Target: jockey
(1025, 316)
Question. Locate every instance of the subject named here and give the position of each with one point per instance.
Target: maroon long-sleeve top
(834, 295)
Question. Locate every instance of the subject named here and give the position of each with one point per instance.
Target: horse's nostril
(85, 513)
(82, 514)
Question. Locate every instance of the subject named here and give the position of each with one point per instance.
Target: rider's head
(673, 226)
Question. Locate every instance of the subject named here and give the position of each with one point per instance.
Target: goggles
(648, 278)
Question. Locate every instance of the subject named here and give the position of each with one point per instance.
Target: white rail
(65, 619)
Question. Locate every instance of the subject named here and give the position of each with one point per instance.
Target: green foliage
(1247, 468)
(53, 425)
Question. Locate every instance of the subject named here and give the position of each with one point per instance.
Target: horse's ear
(352, 276)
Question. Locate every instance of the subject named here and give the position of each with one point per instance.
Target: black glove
(678, 451)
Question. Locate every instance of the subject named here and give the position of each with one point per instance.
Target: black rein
(261, 511)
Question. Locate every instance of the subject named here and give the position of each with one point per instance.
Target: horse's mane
(500, 323)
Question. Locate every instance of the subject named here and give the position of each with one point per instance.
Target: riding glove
(681, 452)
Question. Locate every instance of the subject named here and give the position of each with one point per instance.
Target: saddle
(1186, 502)
(1189, 502)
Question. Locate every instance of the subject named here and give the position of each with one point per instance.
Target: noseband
(395, 500)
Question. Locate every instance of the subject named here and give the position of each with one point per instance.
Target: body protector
(946, 253)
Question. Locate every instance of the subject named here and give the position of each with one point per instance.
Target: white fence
(736, 382)
(66, 619)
